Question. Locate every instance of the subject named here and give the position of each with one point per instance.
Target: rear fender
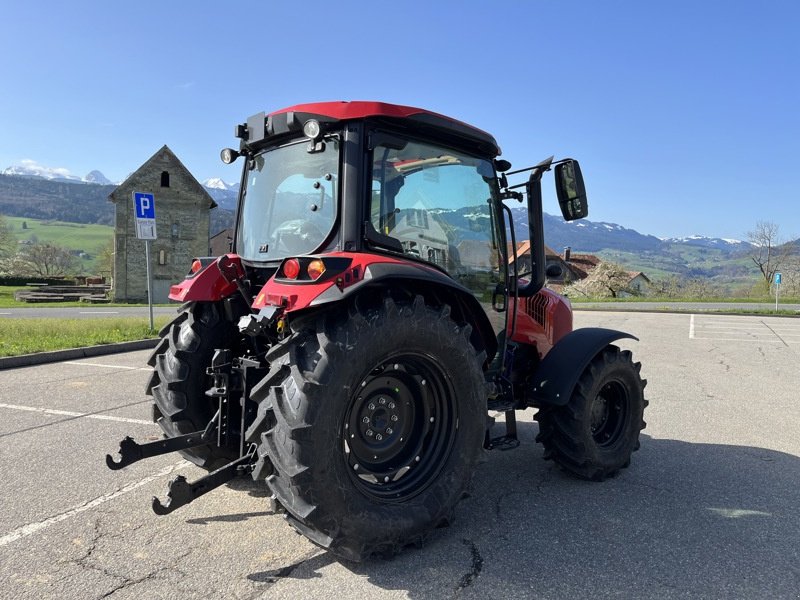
(366, 273)
(557, 374)
(425, 281)
(209, 284)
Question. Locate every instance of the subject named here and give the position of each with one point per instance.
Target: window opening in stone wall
(174, 230)
(162, 257)
(164, 179)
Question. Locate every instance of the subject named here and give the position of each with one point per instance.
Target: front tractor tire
(595, 433)
(179, 381)
(370, 425)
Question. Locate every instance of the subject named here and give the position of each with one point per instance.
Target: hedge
(11, 280)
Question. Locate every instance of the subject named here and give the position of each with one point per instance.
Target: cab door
(438, 203)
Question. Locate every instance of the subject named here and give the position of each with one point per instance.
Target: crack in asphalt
(477, 566)
(126, 581)
(775, 333)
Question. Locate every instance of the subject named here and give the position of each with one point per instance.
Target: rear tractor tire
(595, 433)
(370, 425)
(179, 381)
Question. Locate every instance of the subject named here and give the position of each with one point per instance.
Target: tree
(668, 287)
(606, 280)
(105, 259)
(47, 260)
(8, 244)
(791, 277)
(769, 251)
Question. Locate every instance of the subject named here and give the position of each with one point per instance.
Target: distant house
(182, 208)
(582, 263)
(574, 267)
(220, 243)
(522, 257)
(639, 283)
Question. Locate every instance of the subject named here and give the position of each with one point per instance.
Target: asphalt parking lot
(708, 508)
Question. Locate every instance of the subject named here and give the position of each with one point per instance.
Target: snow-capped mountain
(215, 183)
(96, 177)
(708, 242)
(31, 168)
(224, 194)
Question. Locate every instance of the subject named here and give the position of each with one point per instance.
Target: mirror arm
(536, 225)
(512, 284)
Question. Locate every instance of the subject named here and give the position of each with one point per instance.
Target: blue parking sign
(777, 278)
(145, 205)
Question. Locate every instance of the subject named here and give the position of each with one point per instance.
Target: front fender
(557, 374)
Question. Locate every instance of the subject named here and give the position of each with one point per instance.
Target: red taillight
(196, 267)
(291, 268)
(315, 269)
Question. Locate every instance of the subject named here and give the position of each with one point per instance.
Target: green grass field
(74, 236)
(26, 336)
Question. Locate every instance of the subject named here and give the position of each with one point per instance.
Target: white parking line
(31, 528)
(67, 413)
(720, 339)
(98, 312)
(759, 327)
(743, 330)
(88, 364)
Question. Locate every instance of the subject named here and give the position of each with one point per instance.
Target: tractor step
(502, 443)
(508, 441)
(182, 492)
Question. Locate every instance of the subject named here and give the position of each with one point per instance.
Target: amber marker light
(315, 269)
(196, 267)
(291, 268)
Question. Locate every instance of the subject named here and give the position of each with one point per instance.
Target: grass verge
(657, 299)
(26, 336)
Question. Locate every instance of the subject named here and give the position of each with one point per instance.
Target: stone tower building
(182, 220)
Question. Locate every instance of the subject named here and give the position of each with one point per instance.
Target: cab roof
(425, 119)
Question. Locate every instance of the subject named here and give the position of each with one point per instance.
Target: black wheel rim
(609, 414)
(399, 427)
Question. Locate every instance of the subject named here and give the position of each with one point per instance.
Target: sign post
(777, 289)
(144, 207)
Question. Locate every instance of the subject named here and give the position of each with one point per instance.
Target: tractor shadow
(685, 520)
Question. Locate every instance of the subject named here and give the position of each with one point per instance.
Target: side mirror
(571, 191)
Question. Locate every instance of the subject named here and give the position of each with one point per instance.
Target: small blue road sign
(777, 278)
(145, 205)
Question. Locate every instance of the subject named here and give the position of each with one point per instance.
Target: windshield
(290, 200)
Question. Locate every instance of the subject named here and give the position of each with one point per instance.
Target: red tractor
(370, 318)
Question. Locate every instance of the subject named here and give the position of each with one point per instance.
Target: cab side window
(435, 202)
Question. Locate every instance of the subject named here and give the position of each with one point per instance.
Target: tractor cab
(385, 185)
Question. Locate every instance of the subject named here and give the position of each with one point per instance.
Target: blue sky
(685, 115)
